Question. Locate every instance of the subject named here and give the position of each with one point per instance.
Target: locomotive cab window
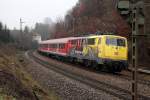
(115, 41)
(91, 41)
(121, 42)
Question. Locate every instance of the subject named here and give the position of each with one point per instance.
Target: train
(99, 51)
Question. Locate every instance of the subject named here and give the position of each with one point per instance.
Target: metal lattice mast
(134, 49)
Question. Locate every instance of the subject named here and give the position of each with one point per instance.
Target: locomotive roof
(94, 36)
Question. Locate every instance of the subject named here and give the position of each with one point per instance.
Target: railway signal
(134, 51)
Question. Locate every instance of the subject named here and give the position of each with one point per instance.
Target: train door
(99, 47)
(92, 48)
(80, 49)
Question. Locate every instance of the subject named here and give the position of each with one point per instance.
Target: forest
(91, 16)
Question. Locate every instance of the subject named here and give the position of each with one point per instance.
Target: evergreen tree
(4, 34)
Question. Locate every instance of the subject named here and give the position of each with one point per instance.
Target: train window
(121, 42)
(115, 41)
(80, 42)
(61, 46)
(73, 42)
(111, 41)
(45, 45)
(49, 45)
(91, 41)
(54, 45)
(84, 42)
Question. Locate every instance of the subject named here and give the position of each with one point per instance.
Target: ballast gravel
(106, 78)
(64, 87)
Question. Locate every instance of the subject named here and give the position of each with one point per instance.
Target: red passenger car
(56, 46)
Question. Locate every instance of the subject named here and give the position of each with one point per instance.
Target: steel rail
(99, 85)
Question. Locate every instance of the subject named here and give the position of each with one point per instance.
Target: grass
(6, 97)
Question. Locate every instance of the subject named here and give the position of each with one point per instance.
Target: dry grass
(18, 84)
(6, 97)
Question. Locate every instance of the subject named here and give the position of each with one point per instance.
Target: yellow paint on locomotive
(107, 47)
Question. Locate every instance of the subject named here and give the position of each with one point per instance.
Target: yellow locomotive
(109, 50)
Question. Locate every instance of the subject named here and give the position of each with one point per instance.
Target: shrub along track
(99, 85)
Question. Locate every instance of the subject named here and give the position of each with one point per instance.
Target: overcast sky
(32, 11)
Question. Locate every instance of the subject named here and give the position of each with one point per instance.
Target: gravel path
(66, 88)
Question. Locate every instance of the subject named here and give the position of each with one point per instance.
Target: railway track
(99, 85)
(129, 75)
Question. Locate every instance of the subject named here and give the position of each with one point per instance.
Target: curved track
(99, 85)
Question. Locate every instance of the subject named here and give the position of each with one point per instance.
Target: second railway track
(99, 85)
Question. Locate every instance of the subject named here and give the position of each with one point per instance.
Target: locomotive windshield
(115, 41)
